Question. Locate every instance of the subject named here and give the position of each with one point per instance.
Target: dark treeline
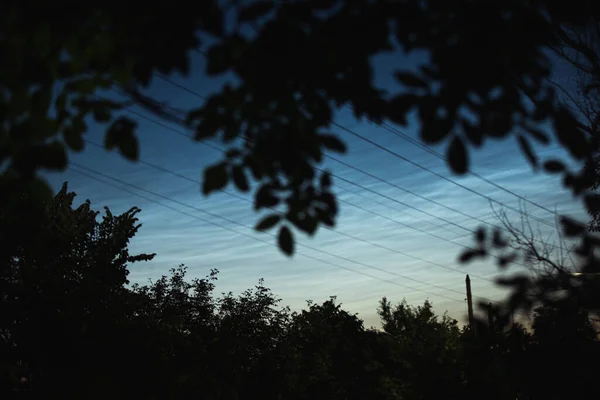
(73, 327)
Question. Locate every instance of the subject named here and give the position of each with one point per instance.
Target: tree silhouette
(63, 310)
(426, 343)
(71, 326)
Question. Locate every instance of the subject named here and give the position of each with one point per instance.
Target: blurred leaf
(325, 180)
(399, 107)
(332, 142)
(497, 239)
(265, 198)
(268, 222)
(255, 10)
(554, 166)
(468, 255)
(457, 156)
(526, 148)
(101, 113)
(121, 134)
(52, 156)
(505, 260)
(572, 228)
(592, 202)
(472, 132)
(239, 178)
(538, 135)
(41, 99)
(286, 240)
(480, 235)
(233, 153)
(410, 80)
(73, 138)
(434, 130)
(215, 178)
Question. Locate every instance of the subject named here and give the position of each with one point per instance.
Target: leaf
(592, 203)
(73, 138)
(434, 130)
(325, 180)
(457, 156)
(268, 222)
(333, 143)
(53, 156)
(472, 132)
(497, 240)
(410, 80)
(286, 240)
(526, 148)
(121, 134)
(101, 113)
(128, 145)
(572, 228)
(233, 153)
(466, 256)
(554, 166)
(215, 178)
(239, 178)
(255, 10)
(480, 235)
(85, 86)
(306, 224)
(538, 135)
(568, 133)
(505, 260)
(41, 100)
(265, 198)
(399, 107)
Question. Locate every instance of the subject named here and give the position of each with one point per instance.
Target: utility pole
(470, 304)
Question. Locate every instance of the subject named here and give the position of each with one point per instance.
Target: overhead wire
(231, 221)
(181, 176)
(345, 201)
(431, 151)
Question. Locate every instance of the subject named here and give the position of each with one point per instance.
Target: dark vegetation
(72, 327)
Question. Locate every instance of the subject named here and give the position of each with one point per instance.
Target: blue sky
(338, 262)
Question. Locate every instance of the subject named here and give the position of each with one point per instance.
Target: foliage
(72, 327)
(60, 288)
(486, 67)
(426, 343)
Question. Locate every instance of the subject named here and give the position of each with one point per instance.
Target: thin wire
(431, 151)
(258, 239)
(181, 176)
(422, 146)
(435, 173)
(341, 200)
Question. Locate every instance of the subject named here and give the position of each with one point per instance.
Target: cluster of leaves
(486, 67)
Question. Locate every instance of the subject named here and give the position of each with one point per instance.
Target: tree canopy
(485, 78)
(71, 326)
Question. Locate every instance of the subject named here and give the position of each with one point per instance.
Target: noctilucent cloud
(388, 242)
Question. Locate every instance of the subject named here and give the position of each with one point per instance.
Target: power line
(409, 139)
(426, 148)
(341, 200)
(245, 226)
(436, 173)
(422, 146)
(217, 148)
(181, 176)
(415, 194)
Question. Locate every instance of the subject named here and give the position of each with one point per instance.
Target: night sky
(387, 242)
